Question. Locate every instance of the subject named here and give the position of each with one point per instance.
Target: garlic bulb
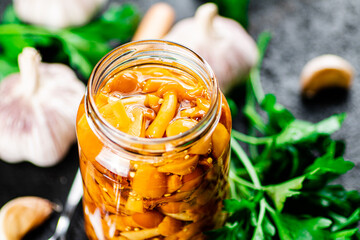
(222, 42)
(57, 13)
(38, 111)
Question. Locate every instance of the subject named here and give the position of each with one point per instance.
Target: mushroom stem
(205, 15)
(29, 61)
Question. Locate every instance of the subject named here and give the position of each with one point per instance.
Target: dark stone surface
(301, 30)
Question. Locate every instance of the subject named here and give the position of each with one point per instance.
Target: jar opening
(150, 52)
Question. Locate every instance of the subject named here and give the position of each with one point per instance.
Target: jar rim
(104, 129)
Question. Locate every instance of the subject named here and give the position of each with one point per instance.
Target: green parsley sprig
(235, 9)
(81, 47)
(281, 189)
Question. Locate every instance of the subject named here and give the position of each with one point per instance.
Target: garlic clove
(20, 215)
(325, 71)
(57, 13)
(38, 111)
(222, 42)
(180, 216)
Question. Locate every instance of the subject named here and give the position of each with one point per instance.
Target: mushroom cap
(324, 72)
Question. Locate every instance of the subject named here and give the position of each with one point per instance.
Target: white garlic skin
(57, 13)
(39, 126)
(222, 42)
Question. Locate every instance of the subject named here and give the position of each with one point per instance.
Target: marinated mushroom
(157, 198)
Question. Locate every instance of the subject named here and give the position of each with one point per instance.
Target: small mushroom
(324, 72)
(183, 216)
(149, 219)
(220, 140)
(169, 226)
(21, 215)
(149, 182)
(181, 166)
(141, 234)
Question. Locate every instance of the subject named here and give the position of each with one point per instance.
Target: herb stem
(253, 150)
(250, 104)
(250, 139)
(246, 162)
(254, 118)
(262, 212)
(241, 181)
(256, 85)
(276, 220)
(17, 29)
(232, 188)
(262, 44)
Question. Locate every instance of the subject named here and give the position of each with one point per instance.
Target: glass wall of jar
(153, 132)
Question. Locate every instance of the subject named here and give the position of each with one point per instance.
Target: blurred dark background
(301, 30)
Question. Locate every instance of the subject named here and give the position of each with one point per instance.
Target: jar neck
(143, 53)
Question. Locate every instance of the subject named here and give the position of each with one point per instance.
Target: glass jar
(168, 187)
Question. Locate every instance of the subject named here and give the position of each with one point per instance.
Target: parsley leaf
(342, 222)
(280, 192)
(9, 16)
(6, 67)
(235, 9)
(328, 164)
(299, 131)
(83, 46)
(281, 189)
(279, 116)
(291, 227)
